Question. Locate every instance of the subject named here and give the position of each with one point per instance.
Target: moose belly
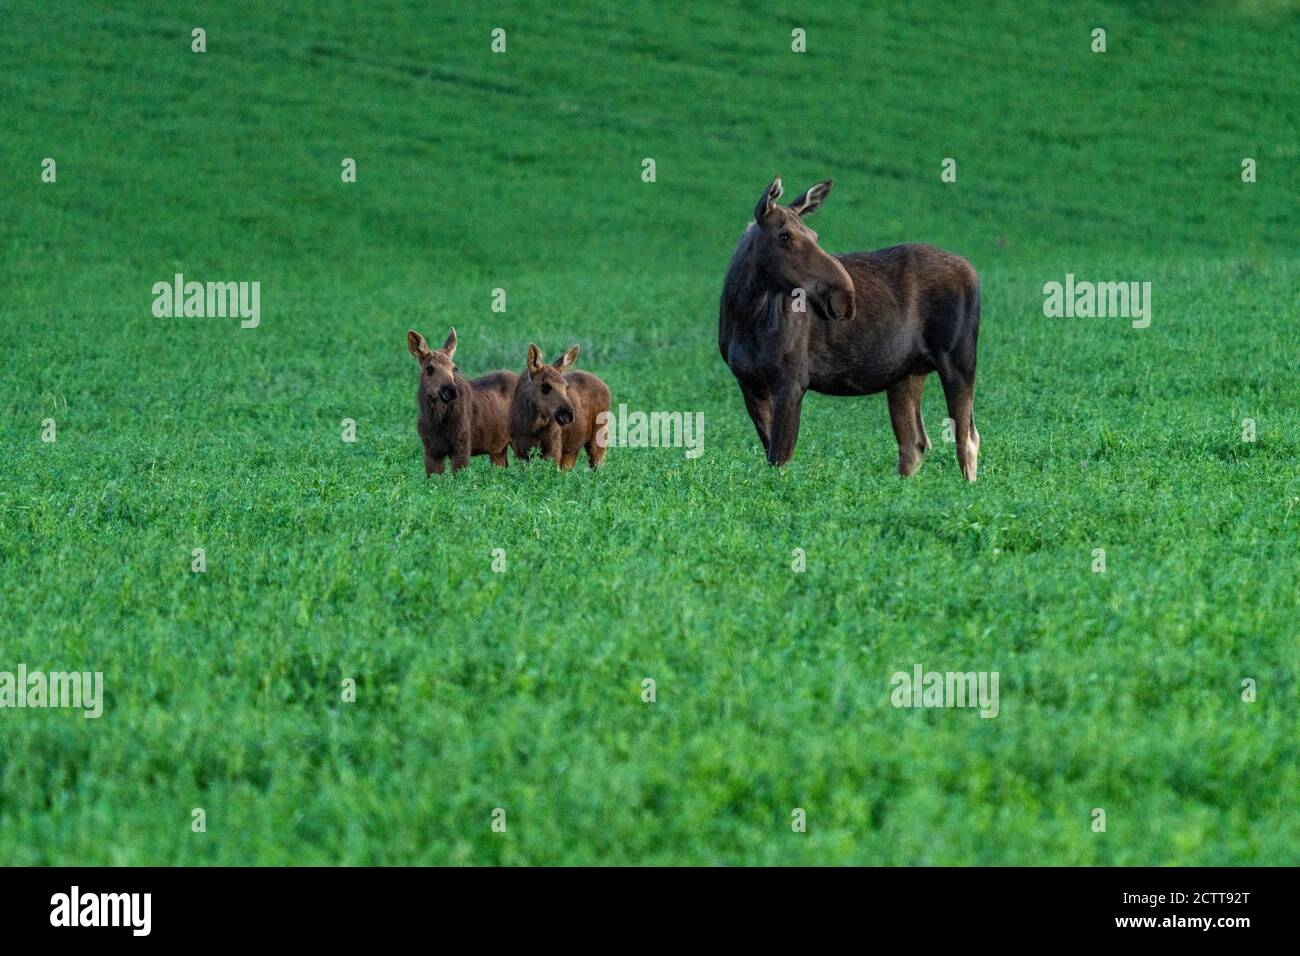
(860, 375)
(860, 357)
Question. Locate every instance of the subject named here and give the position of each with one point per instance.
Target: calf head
(546, 388)
(437, 368)
(786, 251)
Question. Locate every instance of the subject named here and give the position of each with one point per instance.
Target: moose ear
(810, 200)
(449, 346)
(770, 196)
(415, 342)
(535, 362)
(567, 359)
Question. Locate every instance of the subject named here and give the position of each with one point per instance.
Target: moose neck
(523, 410)
(440, 411)
(750, 295)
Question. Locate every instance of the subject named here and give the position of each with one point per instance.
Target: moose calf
(459, 417)
(558, 412)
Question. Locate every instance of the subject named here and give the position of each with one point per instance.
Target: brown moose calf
(557, 412)
(459, 417)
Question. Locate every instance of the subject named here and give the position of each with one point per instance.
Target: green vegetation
(522, 690)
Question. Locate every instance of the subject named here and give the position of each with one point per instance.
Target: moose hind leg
(920, 422)
(909, 430)
(959, 390)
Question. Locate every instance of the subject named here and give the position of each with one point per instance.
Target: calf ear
(449, 346)
(535, 362)
(415, 342)
(810, 200)
(567, 359)
(770, 195)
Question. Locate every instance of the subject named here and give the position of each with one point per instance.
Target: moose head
(786, 251)
(546, 387)
(437, 367)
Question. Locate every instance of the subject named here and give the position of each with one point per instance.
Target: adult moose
(793, 317)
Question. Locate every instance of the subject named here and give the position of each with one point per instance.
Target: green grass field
(522, 690)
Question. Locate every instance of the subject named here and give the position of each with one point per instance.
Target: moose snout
(564, 415)
(448, 393)
(841, 302)
(839, 293)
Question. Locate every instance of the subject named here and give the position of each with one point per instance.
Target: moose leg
(459, 459)
(905, 416)
(433, 464)
(959, 390)
(498, 458)
(786, 405)
(552, 446)
(759, 406)
(595, 453)
(920, 420)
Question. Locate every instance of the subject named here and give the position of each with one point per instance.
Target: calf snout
(564, 415)
(448, 393)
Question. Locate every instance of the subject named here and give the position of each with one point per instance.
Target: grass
(522, 690)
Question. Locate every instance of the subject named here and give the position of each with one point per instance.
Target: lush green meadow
(522, 690)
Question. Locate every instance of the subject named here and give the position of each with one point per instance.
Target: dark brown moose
(794, 318)
(459, 417)
(557, 412)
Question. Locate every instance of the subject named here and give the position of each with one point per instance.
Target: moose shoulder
(794, 318)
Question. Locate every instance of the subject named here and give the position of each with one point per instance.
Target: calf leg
(553, 447)
(595, 453)
(459, 459)
(909, 429)
(959, 390)
(498, 458)
(433, 464)
(759, 406)
(786, 407)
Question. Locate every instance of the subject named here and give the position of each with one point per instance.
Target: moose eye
(455, 369)
(428, 370)
(785, 238)
(546, 390)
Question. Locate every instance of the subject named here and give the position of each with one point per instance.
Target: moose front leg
(759, 405)
(433, 464)
(552, 445)
(786, 405)
(460, 457)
